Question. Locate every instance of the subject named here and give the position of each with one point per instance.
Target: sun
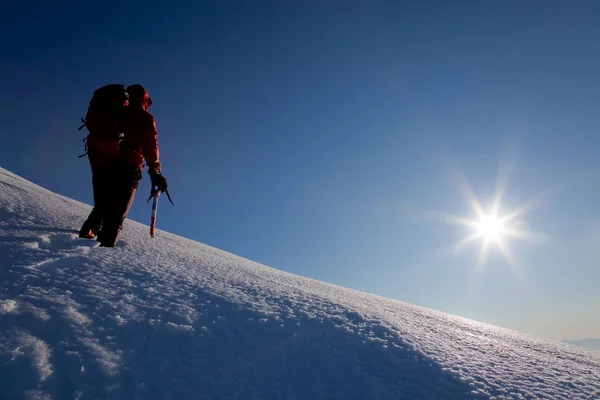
(492, 225)
(490, 228)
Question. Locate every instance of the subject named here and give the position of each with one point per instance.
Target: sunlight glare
(489, 224)
(491, 228)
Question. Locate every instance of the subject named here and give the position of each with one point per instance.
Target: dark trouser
(114, 184)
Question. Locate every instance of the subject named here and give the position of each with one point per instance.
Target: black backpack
(106, 111)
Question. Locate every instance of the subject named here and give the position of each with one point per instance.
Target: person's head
(139, 97)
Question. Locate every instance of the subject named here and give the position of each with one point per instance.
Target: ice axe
(155, 194)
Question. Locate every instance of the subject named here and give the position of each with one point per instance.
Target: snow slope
(169, 318)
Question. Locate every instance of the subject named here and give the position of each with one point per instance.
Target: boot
(109, 234)
(91, 226)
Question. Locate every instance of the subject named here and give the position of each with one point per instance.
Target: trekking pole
(155, 195)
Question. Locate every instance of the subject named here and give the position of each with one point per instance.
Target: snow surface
(170, 318)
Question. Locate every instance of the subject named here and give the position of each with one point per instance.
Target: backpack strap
(85, 145)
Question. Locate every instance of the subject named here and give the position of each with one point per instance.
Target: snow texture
(170, 318)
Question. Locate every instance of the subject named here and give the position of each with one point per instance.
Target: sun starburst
(490, 226)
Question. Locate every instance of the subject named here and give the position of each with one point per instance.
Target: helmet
(139, 97)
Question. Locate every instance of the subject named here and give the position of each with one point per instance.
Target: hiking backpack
(105, 113)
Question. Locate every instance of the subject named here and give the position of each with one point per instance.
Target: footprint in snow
(58, 248)
(66, 242)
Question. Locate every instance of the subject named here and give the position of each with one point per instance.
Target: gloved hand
(158, 180)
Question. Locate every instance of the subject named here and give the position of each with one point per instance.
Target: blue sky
(314, 136)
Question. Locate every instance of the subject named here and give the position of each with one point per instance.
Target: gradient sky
(322, 137)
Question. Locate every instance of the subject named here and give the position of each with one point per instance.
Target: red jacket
(140, 143)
